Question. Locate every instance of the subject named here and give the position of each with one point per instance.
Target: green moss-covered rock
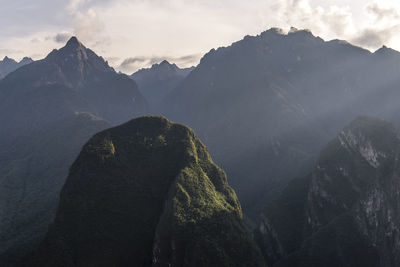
(146, 193)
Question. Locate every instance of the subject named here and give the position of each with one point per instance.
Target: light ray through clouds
(121, 30)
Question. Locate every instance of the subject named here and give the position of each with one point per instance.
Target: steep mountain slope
(346, 212)
(267, 104)
(48, 110)
(8, 65)
(32, 172)
(75, 79)
(146, 193)
(159, 80)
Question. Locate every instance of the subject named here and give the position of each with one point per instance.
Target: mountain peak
(165, 62)
(9, 60)
(26, 60)
(165, 66)
(73, 42)
(384, 50)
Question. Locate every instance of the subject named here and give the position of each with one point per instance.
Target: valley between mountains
(281, 149)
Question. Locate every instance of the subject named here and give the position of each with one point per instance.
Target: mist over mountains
(267, 104)
(304, 128)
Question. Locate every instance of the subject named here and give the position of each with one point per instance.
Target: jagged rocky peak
(166, 66)
(159, 80)
(75, 47)
(387, 53)
(75, 55)
(26, 60)
(146, 193)
(348, 206)
(6, 59)
(8, 65)
(73, 42)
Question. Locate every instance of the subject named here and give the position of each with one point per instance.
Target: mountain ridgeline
(146, 193)
(48, 110)
(267, 104)
(346, 212)
(8, 65)
(158, 81)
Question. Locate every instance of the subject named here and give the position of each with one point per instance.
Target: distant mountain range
(48, 110)
(158, 81)
(8, 65)
(267, 104)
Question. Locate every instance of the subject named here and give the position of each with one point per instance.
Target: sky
(138, 33)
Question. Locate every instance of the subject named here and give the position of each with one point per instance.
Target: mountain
(146, 193)
(77, 80)
(159, 80)
(8, 65)
(267, 104)
(346, 212)
(48, 110)
(32, 171)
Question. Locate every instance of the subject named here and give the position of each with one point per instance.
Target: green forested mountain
(146, 193)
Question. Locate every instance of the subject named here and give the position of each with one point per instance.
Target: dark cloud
(375, 38)
(62, 37)
(132, 60)
(382, 12)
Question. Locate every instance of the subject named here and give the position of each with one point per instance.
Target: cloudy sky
(137, 33)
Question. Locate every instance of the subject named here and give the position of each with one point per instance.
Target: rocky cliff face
(146, 193)
(346, 212)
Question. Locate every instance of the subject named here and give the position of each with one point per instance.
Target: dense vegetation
(146, 193)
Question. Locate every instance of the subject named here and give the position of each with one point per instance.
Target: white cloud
(120, 29)
(377, 25)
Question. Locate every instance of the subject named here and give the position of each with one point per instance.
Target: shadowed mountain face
(267, 104)
(158, 81)
(146, 193)
(346, 212)
(48, 110)
(8, 65)
(68, 80)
